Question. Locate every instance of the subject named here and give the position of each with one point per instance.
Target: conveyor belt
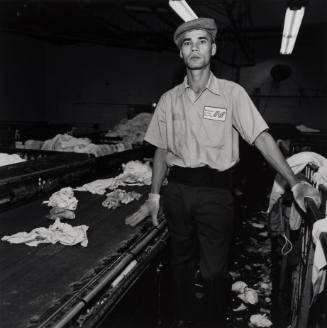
(37, 281)
(53, 170)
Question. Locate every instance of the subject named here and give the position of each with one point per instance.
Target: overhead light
(292, 23)
(183, 10)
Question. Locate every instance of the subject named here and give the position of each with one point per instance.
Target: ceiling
(150, 24)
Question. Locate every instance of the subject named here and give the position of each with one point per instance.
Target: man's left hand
(303, 189)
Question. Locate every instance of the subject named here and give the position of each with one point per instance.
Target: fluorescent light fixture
(183, 10)
(292, 23)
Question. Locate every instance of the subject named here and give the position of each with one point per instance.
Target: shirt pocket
(213, 133)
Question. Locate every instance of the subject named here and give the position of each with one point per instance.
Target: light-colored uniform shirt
(204, 130)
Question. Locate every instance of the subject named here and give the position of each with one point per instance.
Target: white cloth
(297, 162)
(33, 144)
(304, 128)
(135, 173)
(99, 186)
(64, 198)
(60, 232)
(320, 177)
(118, 197)
(8, 159)
(259, 320)
(132, 131)
(319, 261)
(249, 296)
(65, 142)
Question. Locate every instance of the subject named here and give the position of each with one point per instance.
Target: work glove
(303, 189)
(150, 207)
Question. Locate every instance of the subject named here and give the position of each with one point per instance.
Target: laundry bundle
(68, 143)
(260, 320)
(8, 159)
(246, 294)
(118, 197)
(58, 232)
(134, 173)
(133, 130)
(63, 204)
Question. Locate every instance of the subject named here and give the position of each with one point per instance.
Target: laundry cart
(292, 262)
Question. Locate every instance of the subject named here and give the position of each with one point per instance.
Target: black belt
(203, 176)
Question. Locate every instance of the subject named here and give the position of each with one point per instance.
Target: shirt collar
(212, 85)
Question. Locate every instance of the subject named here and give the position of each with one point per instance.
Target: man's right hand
(150, 207)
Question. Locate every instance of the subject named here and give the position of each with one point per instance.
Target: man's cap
(207, 24)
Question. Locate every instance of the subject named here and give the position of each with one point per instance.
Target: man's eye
(186, 43)
(203, 41)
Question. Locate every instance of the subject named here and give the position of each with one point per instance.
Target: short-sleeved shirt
(204, 131)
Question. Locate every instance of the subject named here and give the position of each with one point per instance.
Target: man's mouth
(195, 57)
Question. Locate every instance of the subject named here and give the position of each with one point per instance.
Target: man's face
(197, 49)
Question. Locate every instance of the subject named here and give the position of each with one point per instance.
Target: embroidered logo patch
(214, 113)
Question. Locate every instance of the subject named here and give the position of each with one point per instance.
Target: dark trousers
(200, 223)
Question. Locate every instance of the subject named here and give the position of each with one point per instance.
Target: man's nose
(195, 46)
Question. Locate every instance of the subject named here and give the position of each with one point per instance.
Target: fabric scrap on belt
(132, 131)
(64, 198)
(99, 186)
(68, 143)
(134, 173)
(8, 159)
(60, 232)
(61, 213)
(118, 197)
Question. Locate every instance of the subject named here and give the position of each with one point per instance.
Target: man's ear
(213, 49)
(180, 53)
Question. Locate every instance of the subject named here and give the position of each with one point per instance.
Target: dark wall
(22, 79)
(299, 99)
(95, 84)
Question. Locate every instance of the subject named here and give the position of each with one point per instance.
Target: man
(195, 128)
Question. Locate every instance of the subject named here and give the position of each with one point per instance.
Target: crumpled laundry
(304, 128)
(239, 286)
(8, 159)
(68, 143)
(61, 213)
(65, 142)
(241, 307)
(319, 260)
(99, 186)
(33, 144)
(103, 149)
(249, 296)
(134, 173)
(246, 294)
(297, 162)
(118, 197)
(260, 320)
(320, 177)
(60, 232)
(133, 130)
(64, 198)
